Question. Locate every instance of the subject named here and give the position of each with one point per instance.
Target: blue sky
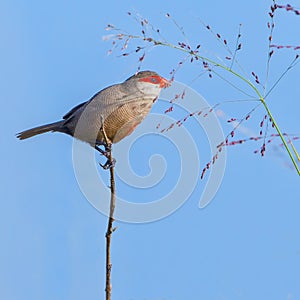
(243, 245)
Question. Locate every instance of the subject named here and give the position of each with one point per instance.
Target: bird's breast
(122, 121)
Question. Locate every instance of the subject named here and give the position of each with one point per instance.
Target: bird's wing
(97, 96)
(73, 110)
(106, 101)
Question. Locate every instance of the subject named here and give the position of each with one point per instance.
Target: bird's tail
(57, 126)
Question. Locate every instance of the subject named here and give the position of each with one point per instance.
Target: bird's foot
(105, 152)
(109, 164)
(108, 147)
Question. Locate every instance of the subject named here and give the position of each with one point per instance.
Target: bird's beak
(164, 83)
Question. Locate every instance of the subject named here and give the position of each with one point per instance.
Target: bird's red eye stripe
(151, 79)
(155, 80)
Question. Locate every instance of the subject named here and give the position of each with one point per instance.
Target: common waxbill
(121, 106)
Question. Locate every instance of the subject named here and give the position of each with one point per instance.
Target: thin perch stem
(110, 229)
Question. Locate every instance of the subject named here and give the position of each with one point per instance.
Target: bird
(110, 115)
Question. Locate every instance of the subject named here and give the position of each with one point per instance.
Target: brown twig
(110, 229)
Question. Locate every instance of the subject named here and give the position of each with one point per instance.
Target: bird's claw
(107, 147)
(105, 152)
(109, 164)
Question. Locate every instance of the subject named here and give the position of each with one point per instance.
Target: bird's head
(149, 82)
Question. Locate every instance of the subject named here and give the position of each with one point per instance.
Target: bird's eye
(154, 80)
